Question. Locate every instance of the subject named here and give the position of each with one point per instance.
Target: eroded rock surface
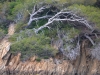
(83, 65)
(11, 64)
(5, 44)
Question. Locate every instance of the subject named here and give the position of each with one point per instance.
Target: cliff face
(11, 64)
(5, 44)
(83, 65)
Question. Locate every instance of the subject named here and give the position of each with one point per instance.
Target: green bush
(31, 44)
(38, 59)
(89, 12)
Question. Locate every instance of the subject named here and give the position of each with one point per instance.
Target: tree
(59, 16)
(62, 16)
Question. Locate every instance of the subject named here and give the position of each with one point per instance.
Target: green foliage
(53, 32)
(89, 2)
(38, 24)
(2, 33)
(20, 6)
(91, 13)
(38, 59)
(26, 41)
(29, 44)
(72, 32)
(14, 8)
(20, 26)
(86, 2)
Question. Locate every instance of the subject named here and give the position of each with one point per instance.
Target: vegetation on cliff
(47, 27)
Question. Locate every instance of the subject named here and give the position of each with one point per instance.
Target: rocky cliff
(11, 64)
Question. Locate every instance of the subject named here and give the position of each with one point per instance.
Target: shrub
(89, 12)
(38, 59)
(32, 44)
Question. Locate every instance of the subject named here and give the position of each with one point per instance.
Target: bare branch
(68, 16)
(34, 9)
(90, 39)
(63, 15)
(28, 12)
(34, 13)
(96, 35)
(44, 26)
(34, 19)
(43, 17)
